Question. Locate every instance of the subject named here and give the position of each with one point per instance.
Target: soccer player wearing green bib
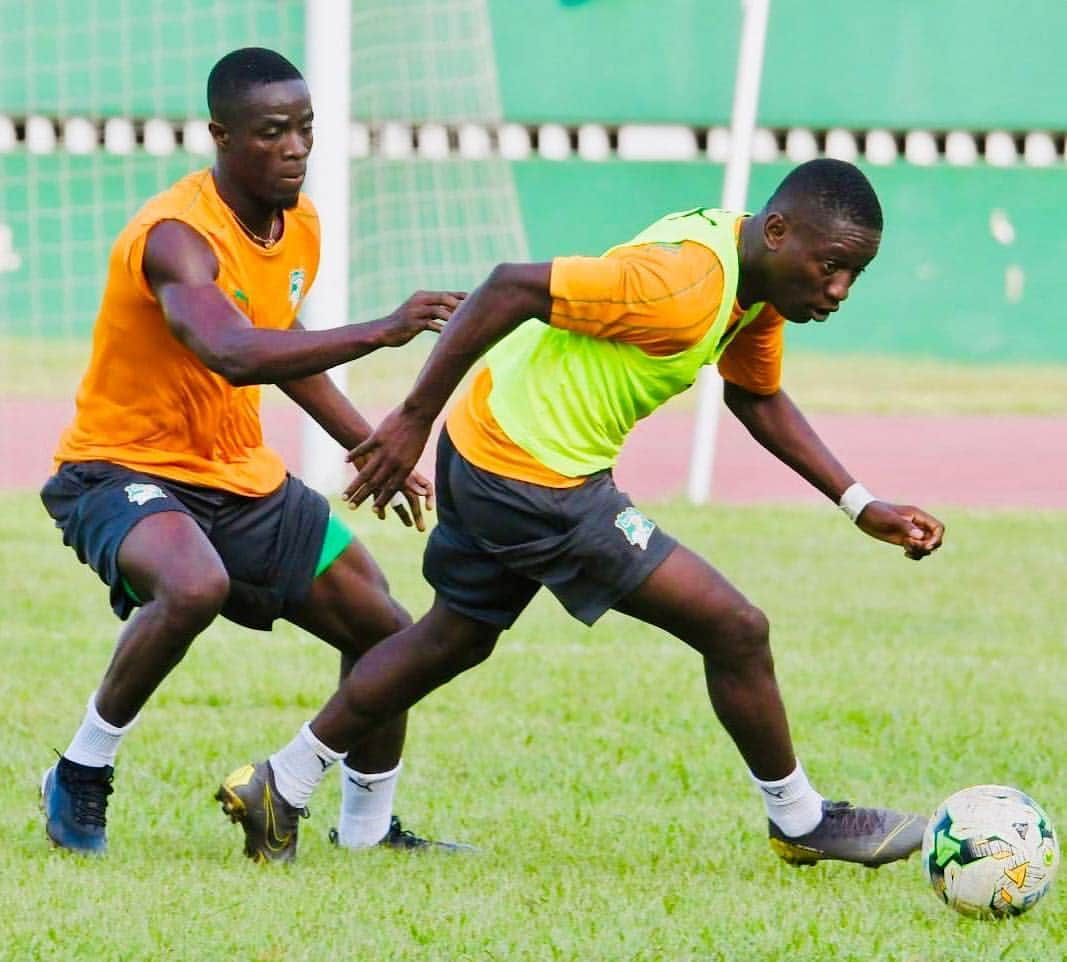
(580, 349)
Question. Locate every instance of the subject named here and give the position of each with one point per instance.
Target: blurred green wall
(943, 285)
(895, 63)
(892, 63)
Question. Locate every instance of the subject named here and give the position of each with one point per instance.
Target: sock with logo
(366, 806)
(300, 766)
(792, 804)
(96, 742)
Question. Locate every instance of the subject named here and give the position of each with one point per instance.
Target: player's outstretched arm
(181, 269)
(776, 423)
(512, 294)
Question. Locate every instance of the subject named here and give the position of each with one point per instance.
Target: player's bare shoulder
(176, 252)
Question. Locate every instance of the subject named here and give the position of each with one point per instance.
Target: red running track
(995, 462)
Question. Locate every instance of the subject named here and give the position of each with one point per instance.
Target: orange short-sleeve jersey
(146, 401)
(662, 298)
(754, 358)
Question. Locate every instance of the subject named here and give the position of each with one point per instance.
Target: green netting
(424, 60)
(414, 224)
(426, 224)
(130, 57)
(62, 213)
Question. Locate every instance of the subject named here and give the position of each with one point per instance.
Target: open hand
(423, 311)
(913, 529)
(385, 460)
(408, 502)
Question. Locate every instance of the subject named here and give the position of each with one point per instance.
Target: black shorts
(498, 540)
(269, 545)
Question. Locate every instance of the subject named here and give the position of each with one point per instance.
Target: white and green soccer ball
(990, 851)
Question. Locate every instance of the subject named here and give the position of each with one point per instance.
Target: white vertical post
(328, 58)
(734, 194)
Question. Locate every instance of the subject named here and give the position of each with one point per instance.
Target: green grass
(900, 385)
(615, 820)
(50, 368)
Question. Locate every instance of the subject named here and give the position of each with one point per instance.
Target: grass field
(614, 819)
(50, 369)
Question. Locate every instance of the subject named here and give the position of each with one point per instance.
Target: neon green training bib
(569, 400)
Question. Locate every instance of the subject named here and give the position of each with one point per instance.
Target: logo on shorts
(637, 528)
(142, 493)
(296, 286)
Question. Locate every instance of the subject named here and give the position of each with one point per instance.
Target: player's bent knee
(751, 631)
(454, 641)
(377, 620)
(198, 598)
(745, 635)
(466, 645)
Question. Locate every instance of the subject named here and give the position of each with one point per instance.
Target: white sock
(792, 804)
(96, 742)
(299, 767)
(366, 806)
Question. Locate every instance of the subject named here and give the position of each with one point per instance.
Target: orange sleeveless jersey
(146, 401)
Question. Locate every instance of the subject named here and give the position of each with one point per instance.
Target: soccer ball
(990, 851)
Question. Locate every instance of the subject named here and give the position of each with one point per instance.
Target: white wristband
(854, 500)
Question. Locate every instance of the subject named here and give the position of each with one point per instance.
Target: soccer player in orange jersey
(577, 351)
(163, 483)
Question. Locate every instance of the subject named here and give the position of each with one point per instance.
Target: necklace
(266, 242)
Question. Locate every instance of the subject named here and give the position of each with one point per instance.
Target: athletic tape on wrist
(854, 500)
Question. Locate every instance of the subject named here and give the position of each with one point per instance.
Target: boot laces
(402, 837)
(862, 820)
(89, 791)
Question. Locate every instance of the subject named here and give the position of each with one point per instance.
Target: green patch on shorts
(337, 538)
(128, 588)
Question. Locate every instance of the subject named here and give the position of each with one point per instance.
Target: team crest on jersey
(635, 526)
(142, 493)
(296, 286)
